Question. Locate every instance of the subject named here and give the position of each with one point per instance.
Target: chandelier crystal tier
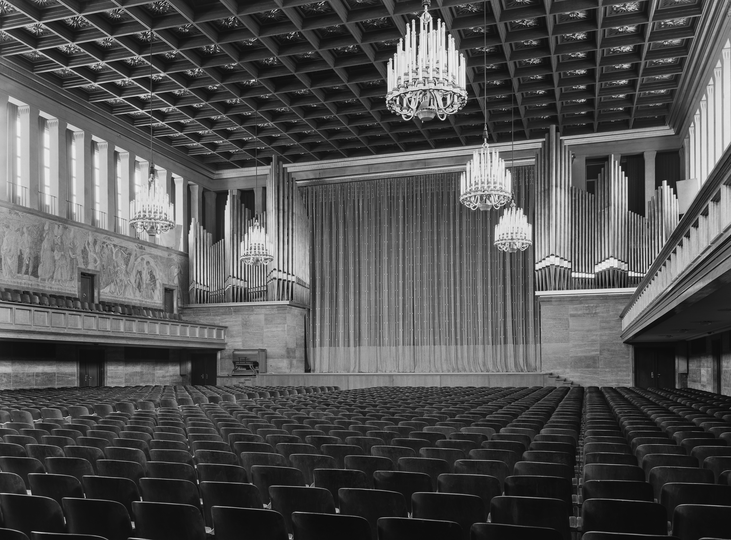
(486, 184)
(254, 248)
(426, 76)
(151, 211)
(513, 232)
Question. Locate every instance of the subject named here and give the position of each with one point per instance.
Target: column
(4, 132)
(87, 191)
(107, 184)
(181, 212)
(209, 212)
(684, 161)
(30, 156)
(703, 149)
(127, 166)
(649, 175)
(710, 153)
(578, 172)
(726, 87)
(259, 202)
(195, 202)
(59, 165)
(718, 146)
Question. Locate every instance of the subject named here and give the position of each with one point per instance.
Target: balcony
(685, 290)
(46, 203)
(17, 194)
(75, 211)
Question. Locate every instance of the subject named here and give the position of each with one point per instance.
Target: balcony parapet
(44, 323)
(704, 229)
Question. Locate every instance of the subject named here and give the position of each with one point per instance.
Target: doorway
(716, 375)
(91, 367)
(204, 368)
(655, 367)
(86, 288)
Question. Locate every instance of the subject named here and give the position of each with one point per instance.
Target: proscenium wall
(580, 337)
(277, 327)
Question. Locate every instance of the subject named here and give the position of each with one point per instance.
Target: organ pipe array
(593, 241)
(217, 275)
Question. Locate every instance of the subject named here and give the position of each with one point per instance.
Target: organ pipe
(593, 241)
(218, 276)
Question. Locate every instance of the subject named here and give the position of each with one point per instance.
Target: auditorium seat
(659, 476)
(368, 464)
(264, 476)
(12, 483)
(259, 524)
(121, 469)
(618, 515)
(695, 521)
(168, 521)
(484, 486)
(552, 487)
(55, 486)
(106, 518)
(287, 499)
(461, 508)
(28, 513)
(502, 531)
(404, 482)
(533, 511)
(395, 528)
(241, 495)
(22, 466)
(334, 479)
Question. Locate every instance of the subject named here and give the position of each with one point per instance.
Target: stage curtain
(407, 280)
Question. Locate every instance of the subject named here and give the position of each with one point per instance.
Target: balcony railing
(75, 211)
(99, 219)
(17, 194)
(46, 203)
(121, 225)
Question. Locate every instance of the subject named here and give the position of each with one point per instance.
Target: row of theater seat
(74, 303)
(535, 462)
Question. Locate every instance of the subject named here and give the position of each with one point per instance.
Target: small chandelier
(426, 76)
(486, 182)
(254, 248)
(513, 232)
(151, 211)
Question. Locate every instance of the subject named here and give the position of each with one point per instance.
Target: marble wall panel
(580, 338)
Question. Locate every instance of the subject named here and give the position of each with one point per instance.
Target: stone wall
(702, 373)
(580, 337)
(278, 327)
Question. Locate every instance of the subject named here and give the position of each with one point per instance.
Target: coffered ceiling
(225, 80)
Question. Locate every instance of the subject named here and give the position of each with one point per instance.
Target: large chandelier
(426, 76)
(254, 248)
(151, 211)
(513, 232)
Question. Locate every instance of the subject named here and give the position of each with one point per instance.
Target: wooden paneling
(365, 380)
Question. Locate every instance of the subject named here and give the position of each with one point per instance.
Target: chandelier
(426, 76)
(254, 248)
(513, 232)
(151, 211)
(486, 182)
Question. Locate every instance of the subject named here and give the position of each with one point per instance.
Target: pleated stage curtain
(406, 279)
